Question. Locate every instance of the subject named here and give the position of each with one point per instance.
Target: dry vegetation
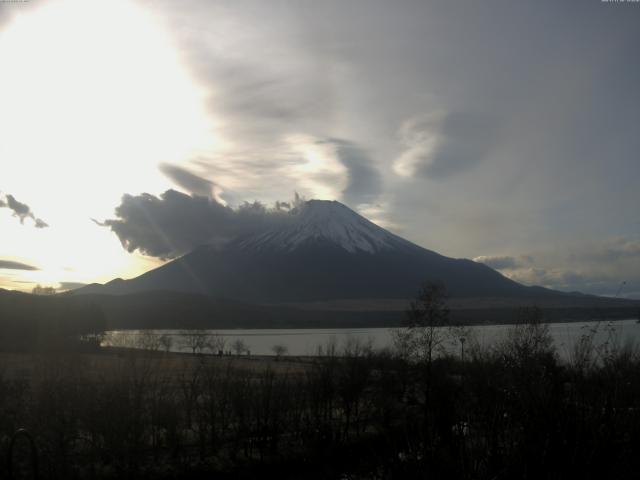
(512, 411)
(509, 411)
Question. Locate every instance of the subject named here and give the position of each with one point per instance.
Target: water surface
(307, 341)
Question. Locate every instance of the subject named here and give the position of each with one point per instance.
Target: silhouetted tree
(40, 290)
(279, 350)
(166, 341)
(239, 347)
(423, 336)
(196, 340)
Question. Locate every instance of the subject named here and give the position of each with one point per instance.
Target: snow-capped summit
(323, 221)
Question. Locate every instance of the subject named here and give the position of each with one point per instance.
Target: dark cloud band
(21, 210)
(175, 223)
(11, 265)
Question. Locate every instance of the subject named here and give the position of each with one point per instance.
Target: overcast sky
(502, 131)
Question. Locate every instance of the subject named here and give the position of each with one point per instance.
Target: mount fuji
(320, 251)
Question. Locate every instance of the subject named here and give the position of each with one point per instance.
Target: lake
(300, 342)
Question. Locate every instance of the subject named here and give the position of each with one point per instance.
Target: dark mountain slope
(320, 251)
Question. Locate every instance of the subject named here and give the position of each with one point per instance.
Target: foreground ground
(512, 411)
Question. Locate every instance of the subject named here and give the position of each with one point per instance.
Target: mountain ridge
(320, 251)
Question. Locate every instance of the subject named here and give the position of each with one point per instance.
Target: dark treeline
(47, 322)
(511, 411)
(176, 310)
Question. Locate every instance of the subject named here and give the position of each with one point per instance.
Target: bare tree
(148, 341)
(40, 290)
(530, 338)
(423, 336)
(196, 340)
(121, 339)
(279, 351)
(166, 341)
(239, 347)
(216, 343)
(357, 347)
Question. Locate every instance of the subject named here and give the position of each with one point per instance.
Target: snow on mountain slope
(321, 221)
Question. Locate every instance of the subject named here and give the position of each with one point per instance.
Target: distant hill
(46, 322)
(178, 310)
(26, 318)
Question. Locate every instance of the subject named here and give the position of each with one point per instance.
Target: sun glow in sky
(320, 172)
(94, 96)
